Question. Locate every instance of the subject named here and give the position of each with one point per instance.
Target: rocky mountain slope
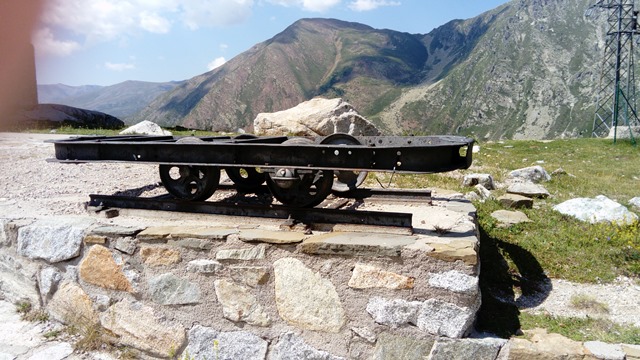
(527, 69)
(531, 74)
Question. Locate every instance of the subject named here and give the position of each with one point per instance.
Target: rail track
(334, 210)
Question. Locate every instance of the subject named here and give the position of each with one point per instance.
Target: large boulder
(55, 115)
(600, 209)
(145, 127)
(622, 132)
(316, 117)
(534, 174)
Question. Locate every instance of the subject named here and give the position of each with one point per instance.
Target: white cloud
(96, 20)
(119, 66)
(308, 5)
(367, 5)
(106, 20)
(202, 13)
(152, 22)
(319, 5)
(217, 62)
(46, 44)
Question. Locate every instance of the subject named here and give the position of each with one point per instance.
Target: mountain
(527, 69)
(532, 73)
(311, 57)
(122, 100)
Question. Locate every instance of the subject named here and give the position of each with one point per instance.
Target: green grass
(565, 247)
(521, 259)
(587, 329)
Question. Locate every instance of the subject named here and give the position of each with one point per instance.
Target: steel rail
(305, 215)
(359, 193)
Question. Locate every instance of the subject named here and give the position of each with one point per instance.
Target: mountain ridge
(122, 100)
(526, 69)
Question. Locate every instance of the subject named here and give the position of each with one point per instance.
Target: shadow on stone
(500, 308)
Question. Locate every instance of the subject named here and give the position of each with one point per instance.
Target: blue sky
(104, 42)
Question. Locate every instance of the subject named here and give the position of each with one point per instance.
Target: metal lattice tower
(616, 101)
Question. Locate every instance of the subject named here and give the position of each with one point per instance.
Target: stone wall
(238, 291)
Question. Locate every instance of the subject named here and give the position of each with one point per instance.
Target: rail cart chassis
(299, 171)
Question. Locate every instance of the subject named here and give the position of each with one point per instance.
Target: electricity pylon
(616, 101)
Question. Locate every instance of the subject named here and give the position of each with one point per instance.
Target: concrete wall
(234, 290)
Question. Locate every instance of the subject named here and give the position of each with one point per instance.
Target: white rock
(48, 281)
(635, 202)
(53, 240)
(18, 278)
(254, 253)
(315, 117)
(528, 189)
(605, 351)
(534, 174)
(204, 266)
(394, 312)
(596, 210)
(507, 218)
(168, 289)
(239, 304)
(306, 299)
(622, 132)
(455, 281)
(485, 180)
(365, 333)
(483, 192)
(442, 318)
(138, 326)
(291, 346)
(208, 343)
(145, 128)
(472, 196)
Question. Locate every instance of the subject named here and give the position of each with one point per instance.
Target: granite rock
(99, 268)
(52, 240)
(168, 289)
(239, 304)
(204, 266)
(139, 327)
(486, 180)
(445, 319)
(596, 210)
(293, 347)
(455, 281)
(534, 174)
(207, 343)
(306, 299)
(367, 276)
